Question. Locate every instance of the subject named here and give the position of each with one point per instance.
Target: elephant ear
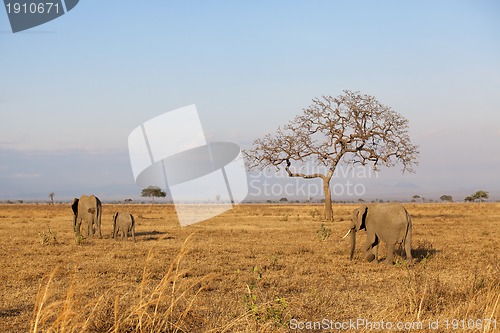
(74, 206)
(361, 218)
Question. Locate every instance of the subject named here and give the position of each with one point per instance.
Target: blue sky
(73, 89)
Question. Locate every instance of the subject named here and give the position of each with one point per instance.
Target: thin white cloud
(26, 175)
(25, 150)
(7, 144)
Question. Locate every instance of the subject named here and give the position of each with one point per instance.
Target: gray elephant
(390, 223)
(124, 223)
(87, 210)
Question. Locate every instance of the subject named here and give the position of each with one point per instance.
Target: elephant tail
(98, 216)
(99, 213)
(408, 227)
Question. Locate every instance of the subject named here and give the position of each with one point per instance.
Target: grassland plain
(256, 268)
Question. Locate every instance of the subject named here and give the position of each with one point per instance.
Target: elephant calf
(390, 223)
(123, 223)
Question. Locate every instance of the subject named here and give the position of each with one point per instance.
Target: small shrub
(79, 239)
(265, 312)
(314, 213)
(47, 237)
(324, 233)
(274, 263)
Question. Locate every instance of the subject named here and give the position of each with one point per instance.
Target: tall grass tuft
(153, 306)
(429, 297)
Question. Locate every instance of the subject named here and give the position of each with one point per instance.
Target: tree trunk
(328, 200)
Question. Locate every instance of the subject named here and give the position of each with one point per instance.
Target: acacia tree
(349, 129)
(153, 191)
(481, 195)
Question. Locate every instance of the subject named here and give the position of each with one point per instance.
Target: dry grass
(252, 269)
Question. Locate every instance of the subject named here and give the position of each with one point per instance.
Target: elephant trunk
(353, 242)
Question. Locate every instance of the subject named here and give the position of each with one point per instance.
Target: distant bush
(479, 195)
(447, 198)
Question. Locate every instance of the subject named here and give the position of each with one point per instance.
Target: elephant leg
(126, 234)
(89, 229)
(375, 251)
(77, 227)
(390, 254)
(370, 241)
(133, 233)
(409, 258)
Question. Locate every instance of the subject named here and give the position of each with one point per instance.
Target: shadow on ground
(13, 312)
(153, 235)
(423, 251)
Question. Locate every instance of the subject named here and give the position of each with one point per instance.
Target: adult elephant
(390, 223)
(87, 210)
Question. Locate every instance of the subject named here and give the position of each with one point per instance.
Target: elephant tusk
(347, 233)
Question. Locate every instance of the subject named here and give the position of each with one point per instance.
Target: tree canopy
(153, 191)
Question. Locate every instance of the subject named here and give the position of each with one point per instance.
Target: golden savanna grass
(252, 269)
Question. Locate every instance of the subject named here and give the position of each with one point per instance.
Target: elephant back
(125, 218)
